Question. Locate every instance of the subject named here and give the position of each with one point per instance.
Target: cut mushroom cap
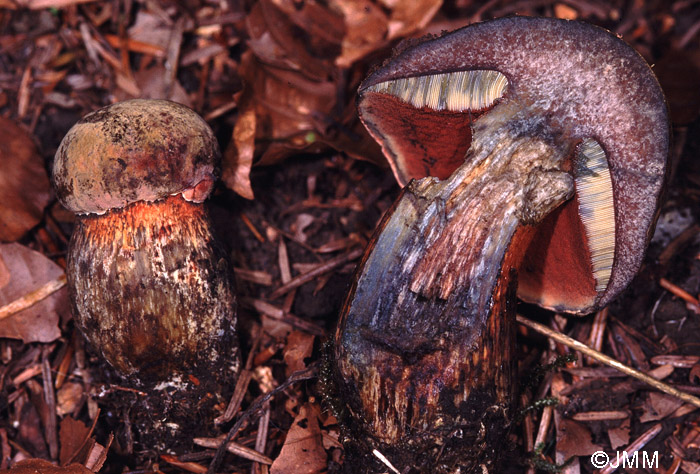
(560, 132)
(136, 150)
(596, 92)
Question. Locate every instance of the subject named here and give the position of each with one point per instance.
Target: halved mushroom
(553, 137)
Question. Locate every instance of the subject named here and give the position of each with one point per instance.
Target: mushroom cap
(136, 150)
(589, 84)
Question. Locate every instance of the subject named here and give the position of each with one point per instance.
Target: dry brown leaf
(620, 436)
(24, 183)
(366, 31)
(408, 17)
(29, 270)
(302, 452)
(304, 40)
(40, 466)
(659, 406)
(574, 439)
(299, 346)
(286, 105)
(68, 397)
(238, 158)
(150, 28)
(72, 434)
(694, 374)
(151, 84)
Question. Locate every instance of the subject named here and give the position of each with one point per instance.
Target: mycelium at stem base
(153, 294)
(425, 345)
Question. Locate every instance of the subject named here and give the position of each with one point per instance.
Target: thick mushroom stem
(425, 343)
(153, 292)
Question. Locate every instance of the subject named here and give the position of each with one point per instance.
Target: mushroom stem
(154, 291)
(425, 343)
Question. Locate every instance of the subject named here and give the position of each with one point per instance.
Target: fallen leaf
(40, 466)
(659, 406)
(694, 374)
(28, 271)
(72, 434)
(24, 183)
(150, 28)
(408, 17)
(299, 346)
(68, 397)
(238, 158)
(302, 452)
(620, 436)
(574, 439)
(366, 26)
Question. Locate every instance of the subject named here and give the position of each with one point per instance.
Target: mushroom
(151, 289)
(551, 138)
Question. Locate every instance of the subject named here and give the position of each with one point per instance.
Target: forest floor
(302, 190)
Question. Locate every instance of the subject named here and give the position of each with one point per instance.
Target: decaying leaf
(68, 397)
(24, 183)
(574, 439)
(78, 445)
(366, 29)
(303, 451)
(659, 406)
(40, 466)
(299, 347)
(238, 158)
(408, 17)
(73, 435)
(620, 436)
(27, 271)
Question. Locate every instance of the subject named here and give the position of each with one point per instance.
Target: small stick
(32, 297)
(693, 303)
(328, 266)
(258, 404)
(249, 224)
(636, 445)
(235, 448)
(600, 415)
(680, 361)
(574, 344)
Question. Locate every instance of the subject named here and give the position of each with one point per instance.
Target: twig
(691, 301)
(32, 297)
(574, 344)
(298, 376)
(235, 448)
(636, 445)
(328, 266)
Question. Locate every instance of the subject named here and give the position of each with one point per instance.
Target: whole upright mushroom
(151, 289)
(551, 137)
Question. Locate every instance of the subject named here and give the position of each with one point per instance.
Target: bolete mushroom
(551, 137)
(152, 290)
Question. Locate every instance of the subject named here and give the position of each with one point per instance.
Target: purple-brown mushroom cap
(136, 150)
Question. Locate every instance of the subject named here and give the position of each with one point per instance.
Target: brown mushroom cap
(136, 150)
(589, 84)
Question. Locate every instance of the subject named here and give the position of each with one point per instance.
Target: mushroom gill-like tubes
(568, 118)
